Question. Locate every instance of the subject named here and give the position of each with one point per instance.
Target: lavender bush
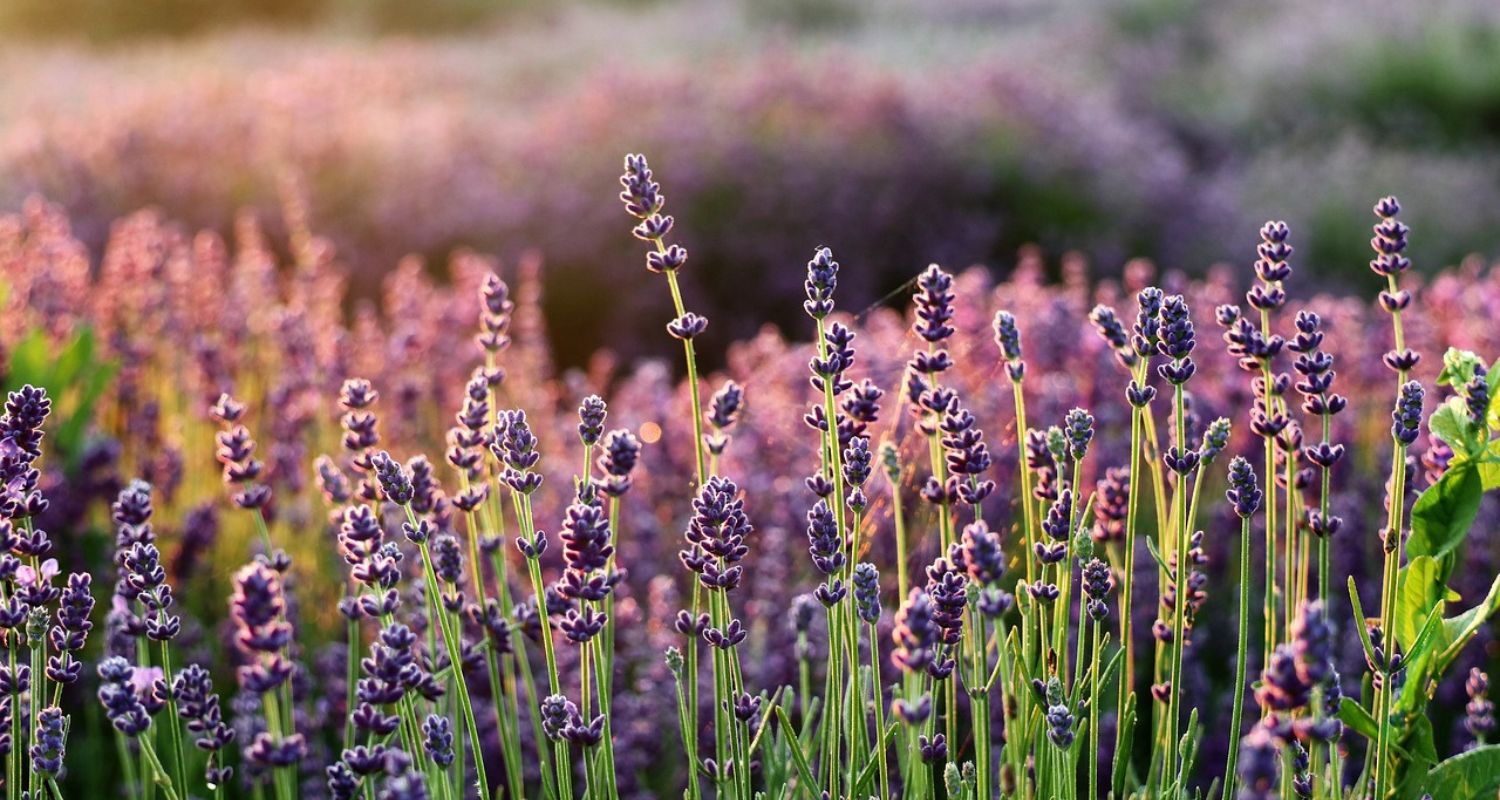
(1068, 586)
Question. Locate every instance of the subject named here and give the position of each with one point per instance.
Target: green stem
(161, 778)
(351, 678)
(1127, 572)
(174, 734)
(695, 790)
(1231, 777)
(1386, 694)
(1093, 752)
(564, 774)
(879, 700)
(1179, 607)
(455, 658)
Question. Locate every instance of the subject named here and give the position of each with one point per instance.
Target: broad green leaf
(1419, 663)
(1354, 715)
(1474, 775)
(1457, 631)
(1489, 468)
(1420, 592)
(1428, 636)
(1444, 512)
(1419, 755)
(1451, 423)
(1458, 367)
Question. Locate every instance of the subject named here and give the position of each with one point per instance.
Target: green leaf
(808, 781)
(1354, 715)
(1457, 631)
(867, 773)
(1360, 621)
(1420, 754)
(1428, 636)
(1490, 473)
(1458, 367)
(1451, 423)
(765, 717)
(1107, 677)
(1474, 775)
(1443, 514)
(1419, 663)
(1489, 468)
(1156, 555)
(1420, 592)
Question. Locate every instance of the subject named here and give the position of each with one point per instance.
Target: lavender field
(381, 423)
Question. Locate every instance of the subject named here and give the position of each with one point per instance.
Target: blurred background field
(899, 133)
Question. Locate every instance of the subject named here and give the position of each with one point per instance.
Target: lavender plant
(949, 634)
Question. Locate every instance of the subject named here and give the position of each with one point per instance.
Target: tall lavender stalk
(262, 634)
(466, 455)
(588, 580)
(1269, 419)
(513, 444)
(128, 715)
(1007, 335)
(1389, 244)
(396, 486)
(715, 540)
(144, 582)
(1246, 497)
(1177, 344)
(916, 640)
(930, 400)
(1133, 352)
(473, 453)
(644, 200)
(244, 472)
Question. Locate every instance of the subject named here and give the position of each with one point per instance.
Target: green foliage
(1443, 515)
(1458, 367)
(1354, 715)
(1431, 648)
(1474, 775)
(1419, 754)
(1441, 519)
(1444, 512)
(74, 376)
(1418, 596)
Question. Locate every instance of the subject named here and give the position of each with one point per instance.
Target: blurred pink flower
(26, 576)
